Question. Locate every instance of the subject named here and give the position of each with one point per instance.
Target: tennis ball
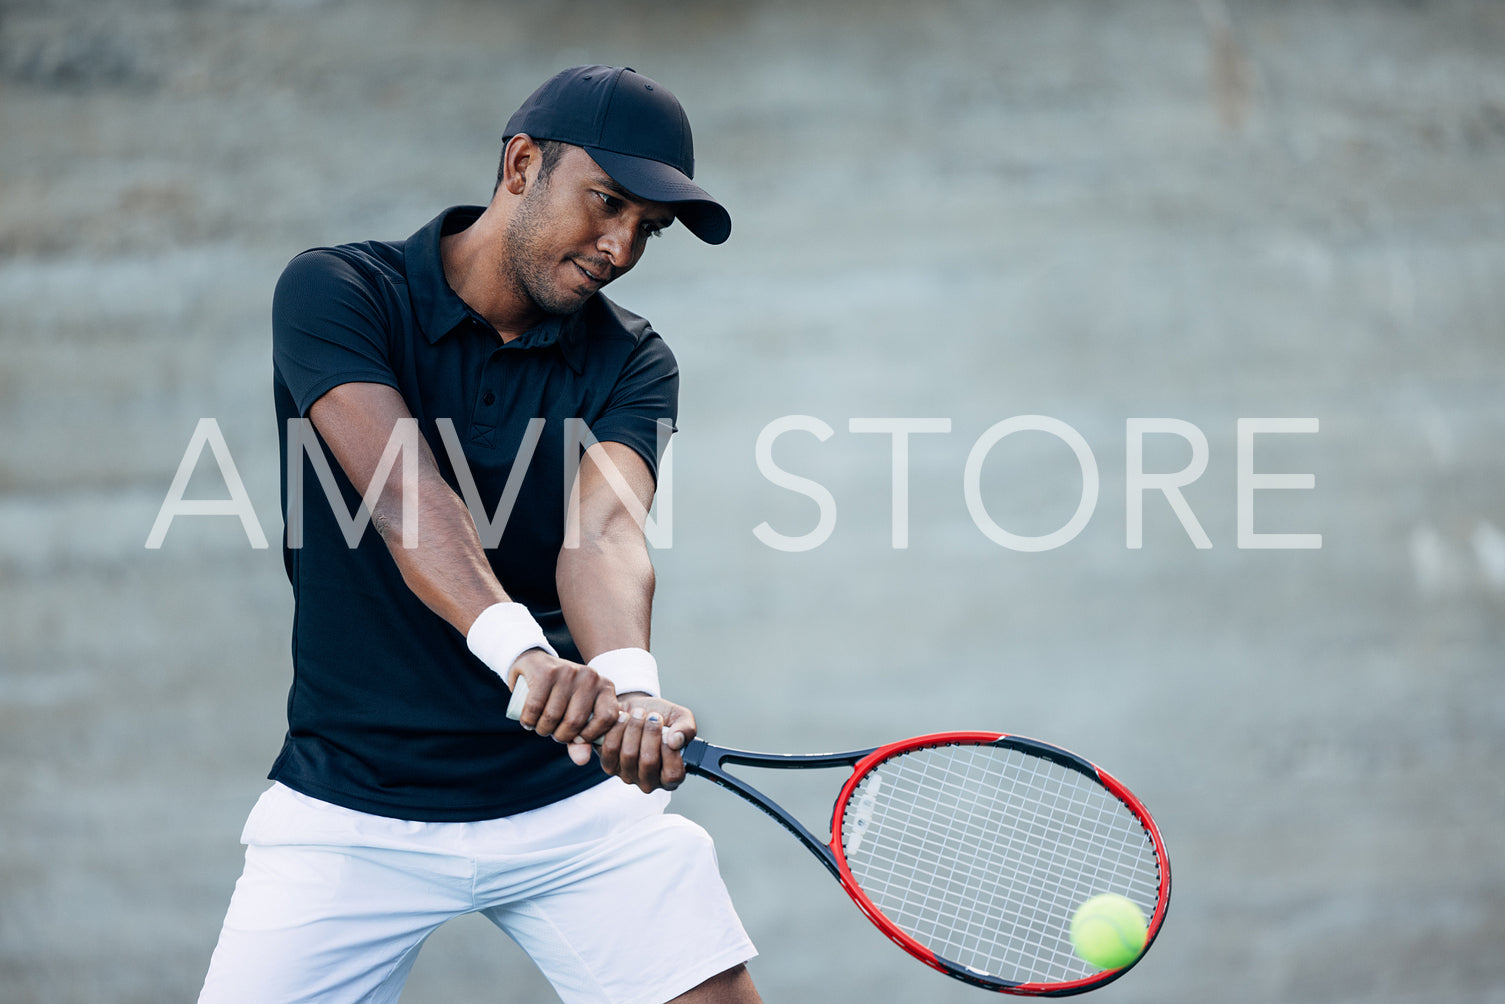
(1108, 931)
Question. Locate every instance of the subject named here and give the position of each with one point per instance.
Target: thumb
(580, 752)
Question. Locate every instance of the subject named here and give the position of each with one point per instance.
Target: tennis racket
(972, 850)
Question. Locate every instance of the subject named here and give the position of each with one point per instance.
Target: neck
(472, 267)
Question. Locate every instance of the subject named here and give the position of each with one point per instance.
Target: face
(575, 232)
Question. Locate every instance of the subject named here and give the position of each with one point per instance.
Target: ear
(519, 158)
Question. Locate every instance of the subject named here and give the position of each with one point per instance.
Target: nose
(618, 244)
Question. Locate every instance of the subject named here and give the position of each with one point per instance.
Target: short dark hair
(549, 152)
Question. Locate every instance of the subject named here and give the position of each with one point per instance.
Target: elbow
(618, 542)
(387, 524)
(600, 529)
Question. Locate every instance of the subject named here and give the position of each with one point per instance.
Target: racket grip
(519, 698)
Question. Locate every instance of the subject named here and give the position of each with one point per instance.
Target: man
(454, 378)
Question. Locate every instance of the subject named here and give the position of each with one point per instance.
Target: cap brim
(655, 181)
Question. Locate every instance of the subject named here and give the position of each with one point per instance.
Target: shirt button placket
(484, 415)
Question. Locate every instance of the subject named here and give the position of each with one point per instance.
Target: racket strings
(982, 853)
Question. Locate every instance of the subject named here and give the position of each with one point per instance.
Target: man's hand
(645, 748)
(566, 700)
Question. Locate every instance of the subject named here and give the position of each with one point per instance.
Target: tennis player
(471, 381)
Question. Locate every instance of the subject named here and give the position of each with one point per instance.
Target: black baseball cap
(634, 129)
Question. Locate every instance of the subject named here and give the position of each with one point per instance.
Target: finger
(679, 728)
(583, 693)
(536, 695)
(671, 772)
(632, 742)
(555, 704)
(530, 688)
(529, 696)
(515, 705)
(650, 752)
(580, 752)
(604, 715)
(556, 718)
(609, 747)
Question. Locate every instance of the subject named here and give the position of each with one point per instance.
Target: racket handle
(519, 698)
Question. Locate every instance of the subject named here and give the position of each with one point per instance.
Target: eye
(653, 230)
(609, 202)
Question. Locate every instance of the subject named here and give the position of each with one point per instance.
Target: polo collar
(439, 309)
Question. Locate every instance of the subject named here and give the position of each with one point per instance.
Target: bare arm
(447, 567)
(604, 576)
(605, 581)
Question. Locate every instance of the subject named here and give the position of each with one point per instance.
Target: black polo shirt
(389, 713)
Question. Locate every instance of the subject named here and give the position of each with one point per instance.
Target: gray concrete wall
(967, 210)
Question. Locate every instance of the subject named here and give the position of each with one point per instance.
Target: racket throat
(705, 760)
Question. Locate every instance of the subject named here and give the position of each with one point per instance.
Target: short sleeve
(329, 327)
(644, 401)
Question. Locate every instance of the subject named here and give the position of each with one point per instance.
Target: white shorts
(614, 899)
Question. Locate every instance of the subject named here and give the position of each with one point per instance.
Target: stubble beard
(529, 266)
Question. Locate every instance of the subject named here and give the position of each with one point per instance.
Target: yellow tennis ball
(1108, 931)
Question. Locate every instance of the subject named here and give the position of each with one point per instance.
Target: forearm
(606, 588)
(442, 561)
(446, 567)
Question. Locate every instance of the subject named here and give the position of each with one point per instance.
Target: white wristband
(631, 670)
(503, 632)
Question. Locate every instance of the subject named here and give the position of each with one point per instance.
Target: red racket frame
(925, 955)
(705, 760)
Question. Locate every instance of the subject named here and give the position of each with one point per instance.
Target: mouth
(593, 278)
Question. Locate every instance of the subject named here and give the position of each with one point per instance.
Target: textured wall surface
(961, 210)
